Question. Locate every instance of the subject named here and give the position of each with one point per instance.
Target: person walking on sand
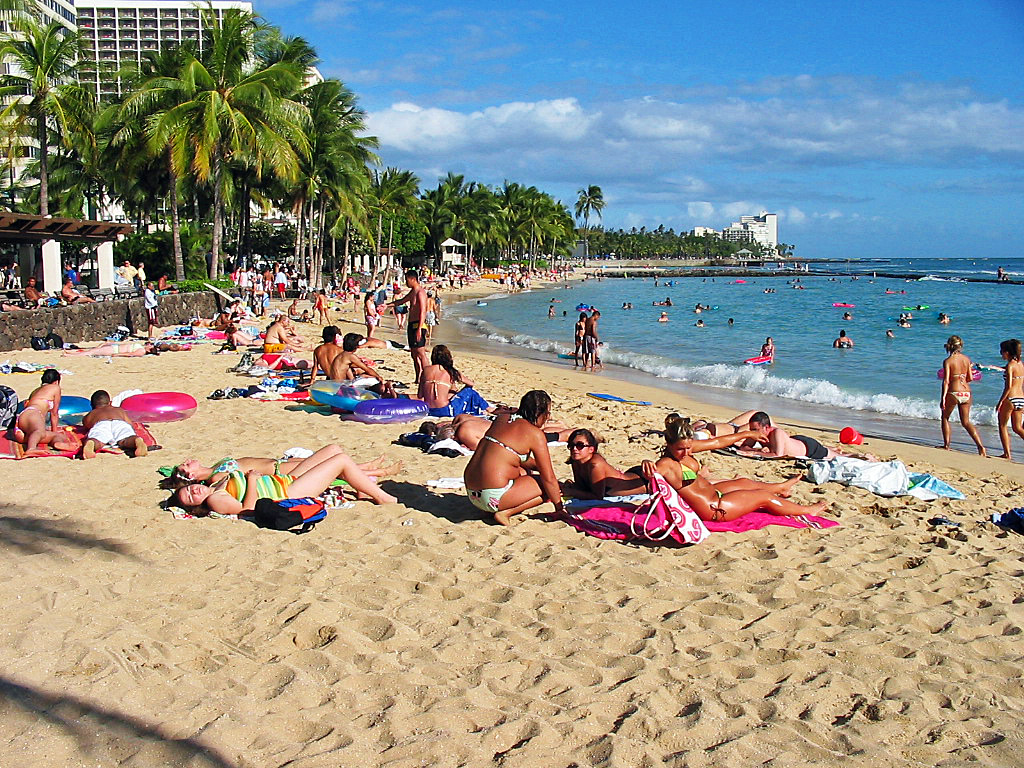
(957, 370)
(590, 341)
(579, 331)
(417, 330)
(1010, 408)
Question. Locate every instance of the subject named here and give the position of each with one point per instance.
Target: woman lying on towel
(726, 499)
(438, 384)
(234, 485)
(129, 349)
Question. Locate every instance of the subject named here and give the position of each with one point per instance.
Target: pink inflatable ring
(160, 406)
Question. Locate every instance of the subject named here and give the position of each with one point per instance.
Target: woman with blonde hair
(957, 371)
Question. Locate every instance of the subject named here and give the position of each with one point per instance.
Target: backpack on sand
(286, 514)
(8, 407)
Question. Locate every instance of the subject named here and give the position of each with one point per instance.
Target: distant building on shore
(704, 231)
(762, 229)
(116, 33)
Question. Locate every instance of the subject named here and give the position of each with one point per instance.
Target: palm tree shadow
(35, 535)
(104, 734)
(452, 506)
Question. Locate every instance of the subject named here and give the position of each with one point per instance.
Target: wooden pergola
(29, 230)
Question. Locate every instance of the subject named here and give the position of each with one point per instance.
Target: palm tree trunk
(376, 256)
(348, 261)
(390, 258)
(179, 258)
(298, 231)
(218, 217)
(44, 182)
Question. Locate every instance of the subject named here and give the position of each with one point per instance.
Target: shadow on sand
(35, 535)
(104, 736)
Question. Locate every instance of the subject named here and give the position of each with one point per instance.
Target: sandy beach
(421, 634)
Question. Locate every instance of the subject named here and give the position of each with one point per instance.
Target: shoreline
(722, 404)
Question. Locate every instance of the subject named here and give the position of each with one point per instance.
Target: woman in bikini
(1010, 408)
(234, 485)
(495, 477)
(726, 499)
(579, 331)
(42, 405)
(957, 370)
(438, 383)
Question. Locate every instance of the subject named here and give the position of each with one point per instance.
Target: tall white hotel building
(116, 33)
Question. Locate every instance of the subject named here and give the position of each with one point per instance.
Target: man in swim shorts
(781, 444)
(417, 330)
(109, 426)
(843, 342)
(590, 341)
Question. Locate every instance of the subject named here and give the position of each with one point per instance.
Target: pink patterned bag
(663, 516)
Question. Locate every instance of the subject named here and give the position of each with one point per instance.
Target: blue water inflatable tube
(339, 394)
(72, 409)
(390, 411)
(582, 307)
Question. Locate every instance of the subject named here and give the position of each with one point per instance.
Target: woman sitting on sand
(44, 403)
(727, 499)
(592, 476)
(236, 484)
(496, 481)
(437, 387)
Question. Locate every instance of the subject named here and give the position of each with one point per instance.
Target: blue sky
(872, 128)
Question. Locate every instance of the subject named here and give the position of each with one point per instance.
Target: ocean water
(878, 378)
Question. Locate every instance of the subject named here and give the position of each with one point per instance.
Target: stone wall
(92, 322)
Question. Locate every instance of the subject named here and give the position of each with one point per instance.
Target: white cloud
(794, 215)
(701, 211)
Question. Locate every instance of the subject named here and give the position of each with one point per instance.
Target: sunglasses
(579, 446)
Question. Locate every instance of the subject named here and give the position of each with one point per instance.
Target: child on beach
(110, 426)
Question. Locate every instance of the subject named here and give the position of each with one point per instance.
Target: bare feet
(1006, 456)
(385, 498)
(821, 506)
(140, 448)
(89, 449)
(503, 517)
(787, 487)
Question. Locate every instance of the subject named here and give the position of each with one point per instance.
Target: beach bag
(663, 516)
(38, 343)
(286, 514)
(8, 407)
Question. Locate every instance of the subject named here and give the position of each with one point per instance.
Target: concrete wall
(92, 322)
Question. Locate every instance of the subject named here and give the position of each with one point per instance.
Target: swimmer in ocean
(843, 342)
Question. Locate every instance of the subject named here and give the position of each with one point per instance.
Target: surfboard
(565, 356)
(759, 360)
(616, 398)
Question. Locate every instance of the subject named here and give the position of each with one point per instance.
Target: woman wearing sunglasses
(496, 477)
(592, 476)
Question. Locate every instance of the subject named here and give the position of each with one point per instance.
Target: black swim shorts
(417, 337)
(815, 450)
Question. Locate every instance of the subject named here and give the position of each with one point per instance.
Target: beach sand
(421, 634)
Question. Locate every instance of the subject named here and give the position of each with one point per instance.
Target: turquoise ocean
(884, 386)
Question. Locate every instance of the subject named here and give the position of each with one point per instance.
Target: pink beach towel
(755, 521)
(665, 516)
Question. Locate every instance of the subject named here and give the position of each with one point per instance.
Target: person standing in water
(768, 349)
(578, 331)
(590, 341)
(957, 371)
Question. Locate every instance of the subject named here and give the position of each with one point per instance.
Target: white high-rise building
(116, 33)
(763, 229)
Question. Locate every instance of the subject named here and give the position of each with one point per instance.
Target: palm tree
(228, 109)
(43, 91)
(590, 200)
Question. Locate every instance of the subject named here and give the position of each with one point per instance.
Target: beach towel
(755, 521)
(664, 516)
(466, 400)
(9, 449)
(884, 478)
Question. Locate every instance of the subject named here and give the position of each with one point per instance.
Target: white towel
(447, 484)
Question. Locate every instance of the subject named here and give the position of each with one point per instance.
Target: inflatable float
(759, 360)
(583, 307)
(340, 395)
(919, 306)
(154, 407)
(842, 304)
(389, 411)
(975, 374)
